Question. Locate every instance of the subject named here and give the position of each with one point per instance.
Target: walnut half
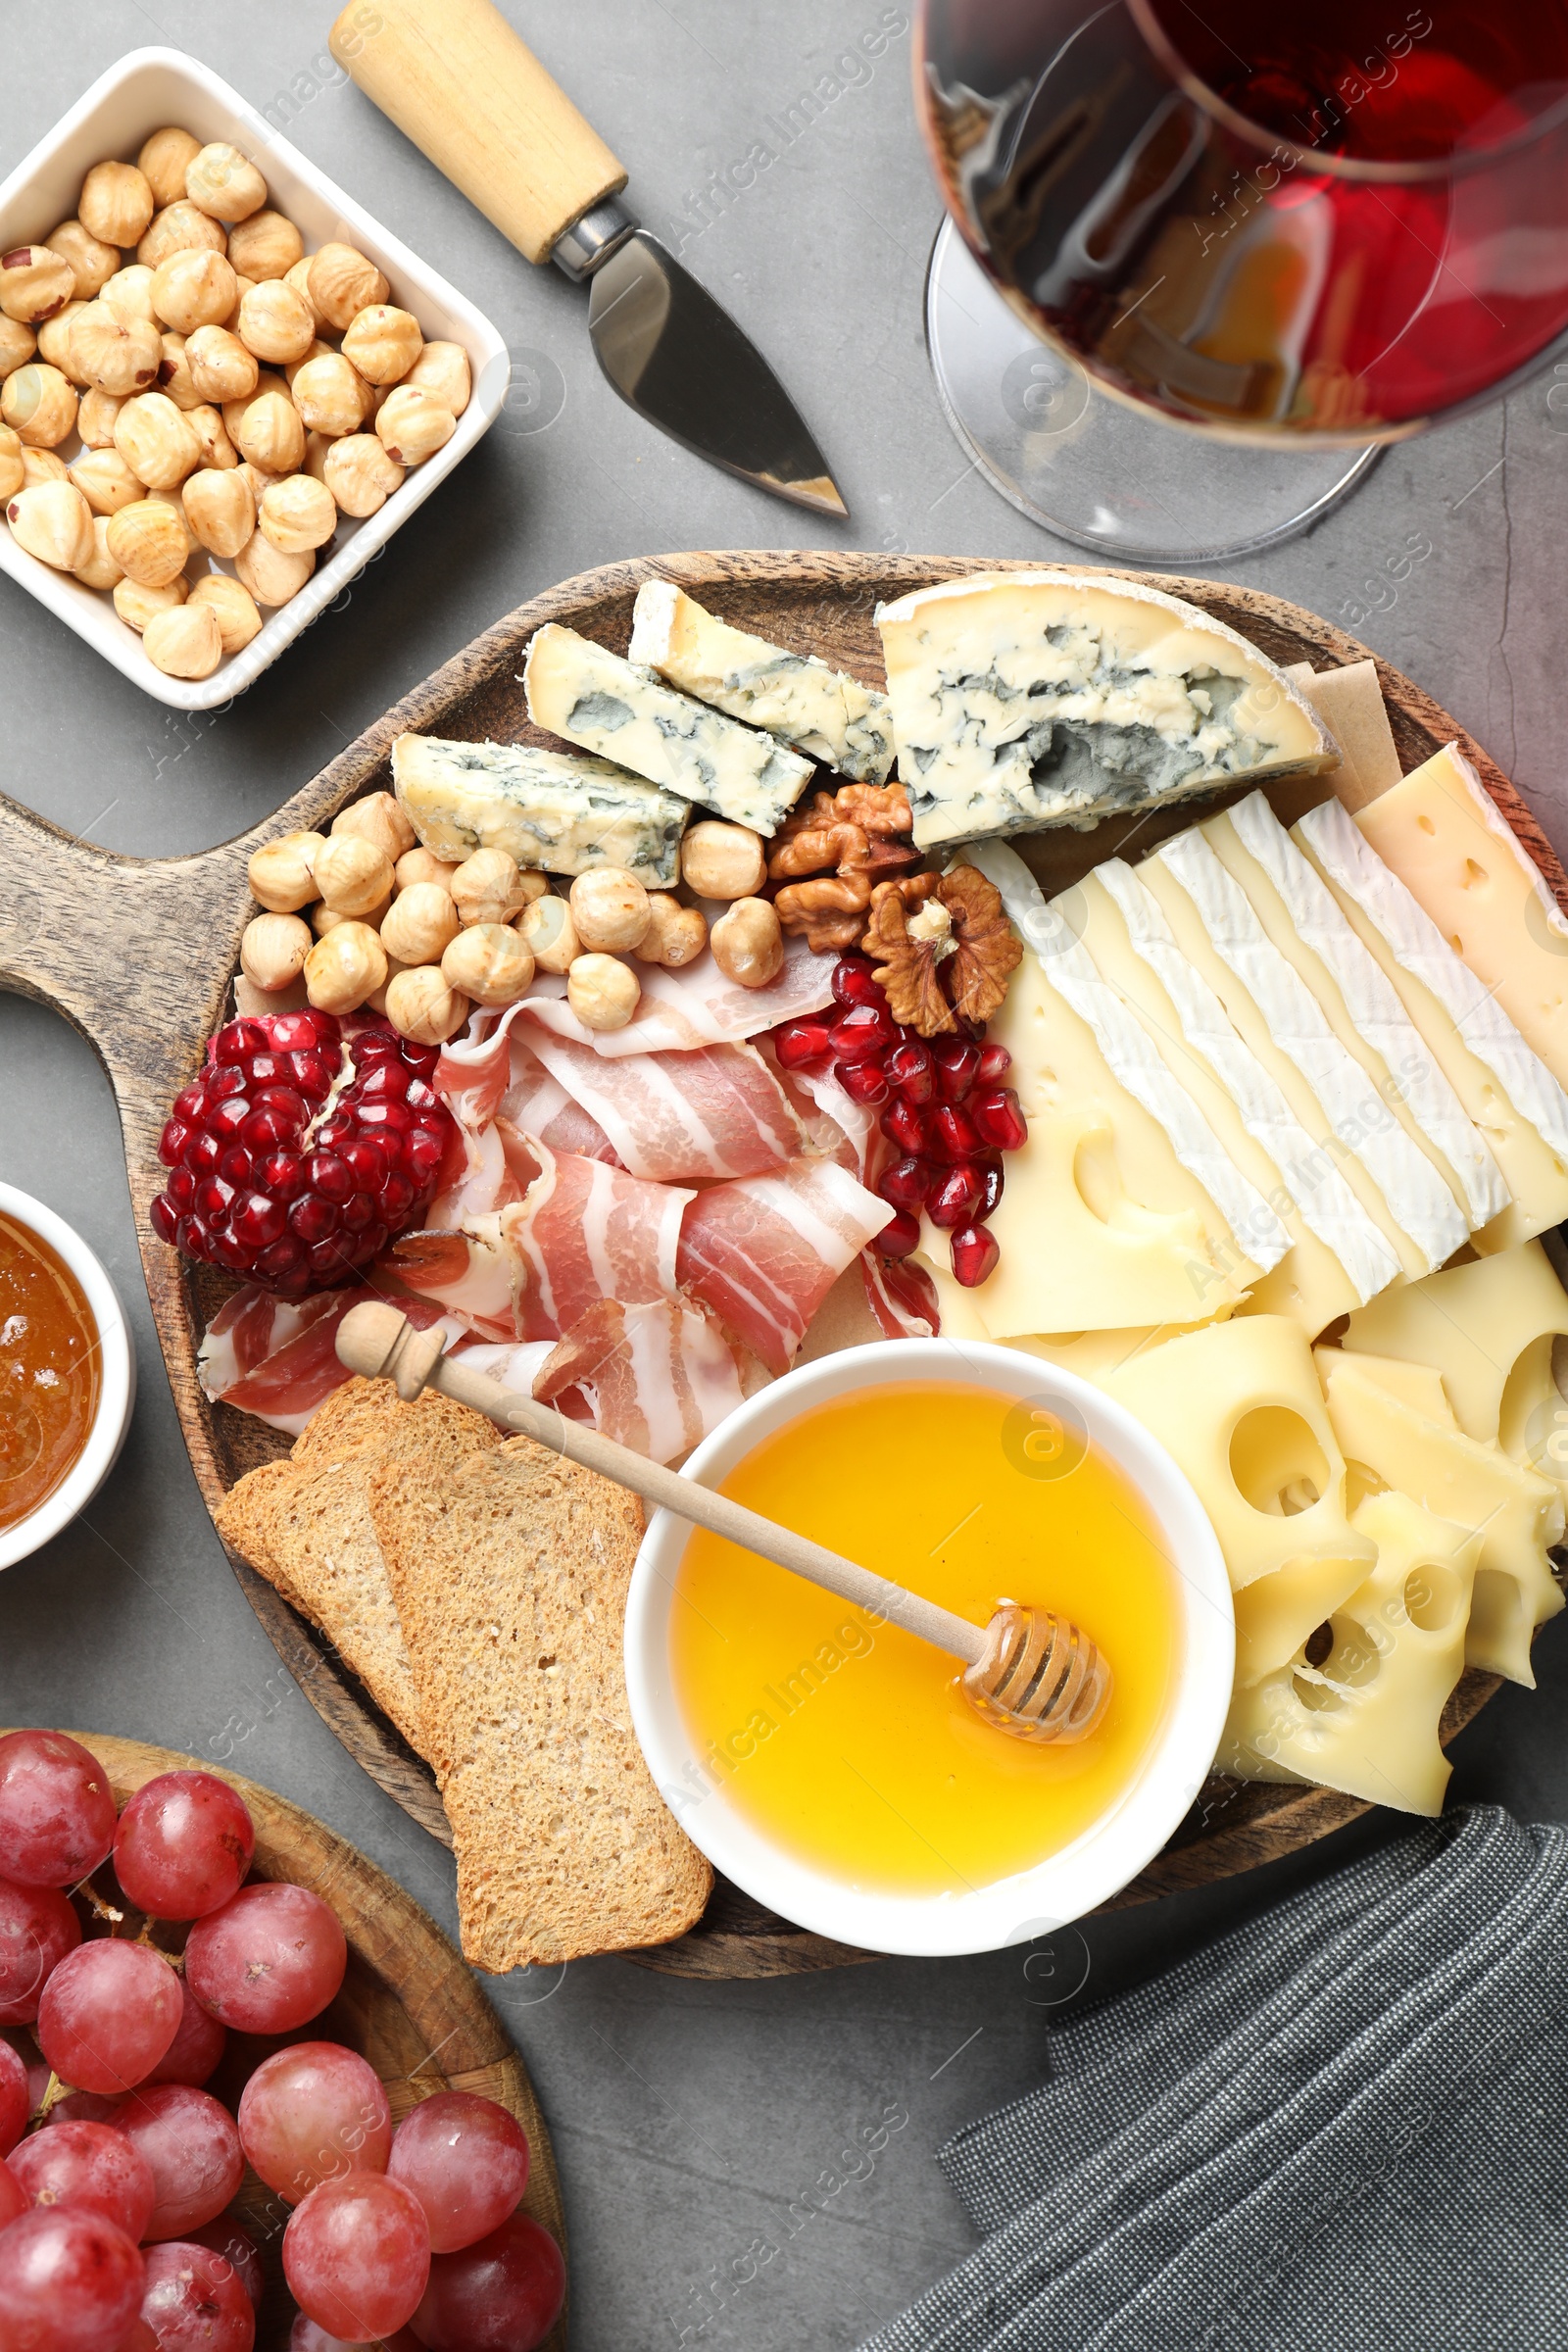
(949, 959)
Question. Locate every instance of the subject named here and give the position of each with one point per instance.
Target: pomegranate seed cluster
(301, 1150)
(945, 1111)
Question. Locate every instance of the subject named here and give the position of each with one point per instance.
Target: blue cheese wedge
(824, 711)
(549, 809)
(627, 713)
(1024, 700)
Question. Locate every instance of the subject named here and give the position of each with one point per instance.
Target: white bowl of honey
(829, 1763)
(68, 1375)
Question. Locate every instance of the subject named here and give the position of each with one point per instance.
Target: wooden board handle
(456, 80)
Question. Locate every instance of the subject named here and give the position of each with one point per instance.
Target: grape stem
(98, 1907)
(55, 2090)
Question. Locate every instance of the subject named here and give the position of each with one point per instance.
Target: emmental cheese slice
(1239, 1406)
(1364, 1714)
(1396, 1429)
(1443, 834)
(558, 812)
(1022, 700)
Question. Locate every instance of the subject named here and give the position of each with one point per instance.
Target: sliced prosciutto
(763, 1254)
(696, 1006)
(537, 1104)
(678, 1118)
(300, 1369)
(471, 1274)
(902, 1300)
(585, 1232)
(655, 1377)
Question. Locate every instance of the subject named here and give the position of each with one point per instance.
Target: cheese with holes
(1302, 917)
(553, 810)
(626, 714)
(1396, 1429)
(796, 697)
(1239, 1406)
(1443, 834)
(1365, 1716)
(1288, 1032)
(1022, 700)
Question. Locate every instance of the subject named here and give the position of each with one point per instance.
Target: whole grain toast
(510, 1579)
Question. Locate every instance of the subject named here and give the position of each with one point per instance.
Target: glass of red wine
(1299, 228)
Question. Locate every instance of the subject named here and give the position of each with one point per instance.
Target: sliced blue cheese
(549, 809)
(1024, 700)
(796, 697)
(627, 713)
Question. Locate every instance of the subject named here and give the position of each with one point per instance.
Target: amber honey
(851, 1743)
(50, 1374)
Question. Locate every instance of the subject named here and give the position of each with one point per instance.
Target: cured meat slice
(537, 1104)
(655, 1377)
(247, 1329)
(470, 1274)
(585, 1232)
(696, 1006)
(716, 1112)
(763, 1254)
(902, 1299)
(301, 1369)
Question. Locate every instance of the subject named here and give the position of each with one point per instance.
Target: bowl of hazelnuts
(222, 385)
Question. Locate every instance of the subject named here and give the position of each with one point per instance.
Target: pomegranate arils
(953, 1133)
(957, 1197)
(331, 1177)
(992, 1181)
(864, 1034)
(998, 1119)
(912, 1071)
(165, 1219)
(958, 1061)
(853, 983)
(974, 1253)
(172, 1143)
(187, 1104)
(238, 1039)
(995, 1064)
(798, 1043)
(899, 1236)
(905, 1183)
(280, 1173)
(256, 1221)
(861, 1081)
(905, 1125)
(314, 1218)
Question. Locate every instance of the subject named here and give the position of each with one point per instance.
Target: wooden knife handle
(456, 80)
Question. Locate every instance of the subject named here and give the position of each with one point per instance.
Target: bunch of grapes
(119, 2168)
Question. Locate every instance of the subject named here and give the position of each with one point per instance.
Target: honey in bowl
(849, 1742)
(50, 1374)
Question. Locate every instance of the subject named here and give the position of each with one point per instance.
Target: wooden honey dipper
(1027, 1672)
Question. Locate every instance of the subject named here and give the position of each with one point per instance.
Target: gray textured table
(698, 2127)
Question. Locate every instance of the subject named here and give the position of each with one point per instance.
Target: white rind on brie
(556, 812)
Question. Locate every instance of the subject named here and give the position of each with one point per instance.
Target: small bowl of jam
(68, 1374)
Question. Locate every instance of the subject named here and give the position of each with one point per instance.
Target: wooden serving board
(407, 2004)
(140, 954)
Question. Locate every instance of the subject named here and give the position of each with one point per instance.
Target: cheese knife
(456, 80)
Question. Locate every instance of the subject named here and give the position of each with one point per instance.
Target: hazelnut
(329, 394)
(115, 204)
(602, 991)
(420, 1005)
(316, 348)
(421, 866)
(297, 513)
(100, 570)
(273, 323)
(545, 924)
(313, 462)
(342, 969)
(360, 474)
(343, 284)
(723, 862)
(748, 944)
(17, 343)
(487, 963)
(325, 919)
(442, 370)
(53, 343)
(383, 342)
(175, 500)
(42, 465)
(378, 818)
(163, 162)
(39, 404)
(207, 423)
(299, 278)
(222, 182)
(174, 377)
(487, 888)
(12, 476)
(106, 481)
(420, 923)
(268, 431)
(219, 508)
(533, 885)
(352, 873)
(414, 425)
(610, 908)
(156, 442)
(256, 479)
(266, 246)
(137, 605)
(676, 935)
(115, 353)
(34, 284)
(273, 947)
(92, 263)
(220, 367)
(130, 293)
(95, 417)
(149, 542)
(194, 288)
(54, 522)
(280, 873)
(178, 227)
(242, 287)
(184, 643)
(232, 607)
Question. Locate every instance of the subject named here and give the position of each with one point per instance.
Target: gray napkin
(1329, 2130)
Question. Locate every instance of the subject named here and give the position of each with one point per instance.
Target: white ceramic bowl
(1097, 1864)
(135, 97)
(117, 1391)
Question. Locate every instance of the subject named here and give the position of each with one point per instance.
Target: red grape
(271, 1959)
(192, 2146)
(13, 2196)
(194, 2301)
(306, 2337)
(37, 1928)
(198, 2045)
(310, 2113)
(183, 1846)
(502, 2295)
(16, 2098)
(57, 1810)
(69, 2281)
(90, 2168)
(139, 2339)
(107, 2014)
(357, 2256)
(466, 2161)
(226, 2236)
